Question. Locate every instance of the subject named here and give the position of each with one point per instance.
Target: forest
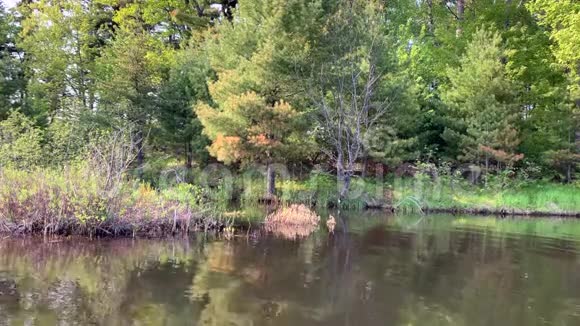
(111, 110)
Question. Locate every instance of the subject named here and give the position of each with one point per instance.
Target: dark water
(385, 271)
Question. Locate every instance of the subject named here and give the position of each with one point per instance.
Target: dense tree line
(344, 82)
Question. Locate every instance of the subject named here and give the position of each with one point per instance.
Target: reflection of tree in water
(251, 285)
(74, 283)
(280, 282)
(486, 277)
(215, 288)
(396, 272)
(237, 281)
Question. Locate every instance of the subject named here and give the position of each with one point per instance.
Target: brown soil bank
(501, 212)
(111, 228)
(483, 211)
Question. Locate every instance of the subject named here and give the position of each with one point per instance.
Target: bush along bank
(78, 201)
(438, 191)
(86, 200)
(504, 194)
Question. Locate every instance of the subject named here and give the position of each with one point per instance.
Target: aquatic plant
(331, 223)
(294, 221)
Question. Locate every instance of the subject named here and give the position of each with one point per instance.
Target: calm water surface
(437, 270)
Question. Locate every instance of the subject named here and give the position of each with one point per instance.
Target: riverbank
(79, 201)
(532, 198)
(442, 195)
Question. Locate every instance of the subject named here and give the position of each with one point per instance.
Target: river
(378, 270)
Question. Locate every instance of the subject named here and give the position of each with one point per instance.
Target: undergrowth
(77, 200)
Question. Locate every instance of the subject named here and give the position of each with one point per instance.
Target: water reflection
(384, 271)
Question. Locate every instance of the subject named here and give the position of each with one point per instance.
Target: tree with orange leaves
(256, 109)
(246, 129)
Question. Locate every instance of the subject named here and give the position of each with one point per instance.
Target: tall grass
(544, 197)
(77, 200)
(423, 192)
(321, 190)
(81, 200)
(533, 196)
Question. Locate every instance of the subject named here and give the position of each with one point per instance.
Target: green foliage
(505, 191)
(184, 193)
(246, 129)
(24, 145)
(64, 143)
(76, 200)
(20, 142)
(179, 127)
(481, 104)
(253, 116)
(494, 85)
(130, 74)
(60, 41)
(319, 189)
(12, 79)
(563, 21)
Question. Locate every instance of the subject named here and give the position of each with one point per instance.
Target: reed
(78, 201)
(292, 222)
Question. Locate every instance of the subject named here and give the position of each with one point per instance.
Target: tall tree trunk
(460, 14)
(508, 13)
(270, 182)
(577, 117)
(343, 177)
(188, 155)
(365, 162)
(577, 102)
(345, 181)
(486, 165)
(140, 152)
(572, 165)
(430, 21)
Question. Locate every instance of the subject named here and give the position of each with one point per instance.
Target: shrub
(63, 143)
(292, 222)
(20, 142)
(77, 200)
(323, 189)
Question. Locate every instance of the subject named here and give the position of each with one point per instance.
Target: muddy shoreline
(499, 212)
(169, 228)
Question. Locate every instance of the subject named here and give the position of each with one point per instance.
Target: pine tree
(482, 114)
(258, 59)
(246, 129)
(562, 22)
(179, 130)
(130, 77)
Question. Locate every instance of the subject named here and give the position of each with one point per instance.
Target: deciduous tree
(347, 81)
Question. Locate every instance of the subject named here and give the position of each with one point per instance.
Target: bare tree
(111, 158)
(347, 84)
